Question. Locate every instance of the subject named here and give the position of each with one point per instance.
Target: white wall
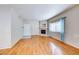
(10, 27)
(71, 26)
(16, 27)
(5, 27)
(34, 27)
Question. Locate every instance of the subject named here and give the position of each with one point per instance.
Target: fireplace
(43, 31)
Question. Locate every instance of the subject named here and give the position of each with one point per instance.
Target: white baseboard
(66, 42)
(27, 37)
(14, 43)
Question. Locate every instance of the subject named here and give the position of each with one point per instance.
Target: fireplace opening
(43, 31)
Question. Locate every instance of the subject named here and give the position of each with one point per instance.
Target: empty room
(39, 29)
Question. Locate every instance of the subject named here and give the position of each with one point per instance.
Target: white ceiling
(40, 11)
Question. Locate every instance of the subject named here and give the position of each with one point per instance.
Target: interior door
(27, 30)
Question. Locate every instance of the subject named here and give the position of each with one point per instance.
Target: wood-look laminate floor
(40, 45)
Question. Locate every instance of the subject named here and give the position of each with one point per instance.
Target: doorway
(27, 30)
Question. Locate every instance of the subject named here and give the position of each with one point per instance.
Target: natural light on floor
(55, 49)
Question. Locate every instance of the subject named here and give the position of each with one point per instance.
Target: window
(56, 26)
